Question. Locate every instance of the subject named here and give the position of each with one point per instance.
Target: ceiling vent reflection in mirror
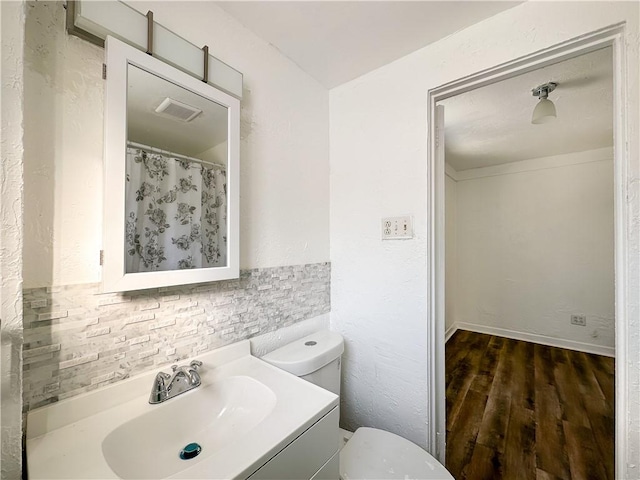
(178, 110)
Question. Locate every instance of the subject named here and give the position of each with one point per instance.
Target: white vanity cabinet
(313, 455)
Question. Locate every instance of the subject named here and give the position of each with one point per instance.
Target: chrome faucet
(182, 379)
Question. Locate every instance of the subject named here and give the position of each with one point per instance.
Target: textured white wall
(63, 151)
(536, 246)
(284, 187)
(12, 20)
(378, 157)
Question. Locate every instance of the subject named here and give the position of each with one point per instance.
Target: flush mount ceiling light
(545, 110)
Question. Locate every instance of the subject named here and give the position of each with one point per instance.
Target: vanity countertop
(67, 439)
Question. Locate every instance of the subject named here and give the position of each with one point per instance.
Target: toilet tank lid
(308, 354)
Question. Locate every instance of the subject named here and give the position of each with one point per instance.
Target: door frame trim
(612, 36)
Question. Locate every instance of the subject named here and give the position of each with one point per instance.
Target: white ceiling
(337, 41)
(492, 125)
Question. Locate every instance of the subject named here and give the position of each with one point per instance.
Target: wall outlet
(397, 228)
(579, 320)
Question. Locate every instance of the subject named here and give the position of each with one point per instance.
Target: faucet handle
(195, 364)
(174, 368)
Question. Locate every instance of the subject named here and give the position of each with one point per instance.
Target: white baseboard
(531, 337)
(450, 331)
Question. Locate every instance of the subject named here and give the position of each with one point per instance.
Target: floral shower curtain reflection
(176, 212)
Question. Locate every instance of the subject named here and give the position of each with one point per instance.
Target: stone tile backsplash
(76, 339)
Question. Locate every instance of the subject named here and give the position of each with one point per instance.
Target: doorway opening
(606, 41)
(529, 290)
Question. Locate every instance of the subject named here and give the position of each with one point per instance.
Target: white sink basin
(214, 417)
(243, 414)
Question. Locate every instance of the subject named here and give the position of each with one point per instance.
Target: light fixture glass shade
(544, 112)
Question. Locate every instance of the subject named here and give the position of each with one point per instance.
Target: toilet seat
(375, 454)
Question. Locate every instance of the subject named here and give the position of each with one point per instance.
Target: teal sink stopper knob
(190, 451)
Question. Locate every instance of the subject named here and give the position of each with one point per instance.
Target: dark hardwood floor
(520, 411)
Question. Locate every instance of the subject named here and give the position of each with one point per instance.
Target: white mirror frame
(114, 277)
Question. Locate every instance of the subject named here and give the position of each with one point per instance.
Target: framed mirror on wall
(171, 175)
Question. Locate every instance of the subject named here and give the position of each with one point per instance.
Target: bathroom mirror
(171, 175)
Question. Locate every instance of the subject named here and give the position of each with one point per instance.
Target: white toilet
(370, 453)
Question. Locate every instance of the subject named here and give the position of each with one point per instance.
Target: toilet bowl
(369, 453)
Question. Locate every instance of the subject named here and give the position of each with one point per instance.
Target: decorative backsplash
(76, 339)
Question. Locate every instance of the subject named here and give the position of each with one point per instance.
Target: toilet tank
(315, 358)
